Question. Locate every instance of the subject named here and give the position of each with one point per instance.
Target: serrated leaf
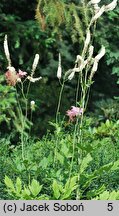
(56, 189)
(35, 187)
(60, 158)
(115, 165)
(18, 185)
(26, 193)
(85, 162)
(9, 183)
(104, 195)
(70, 186)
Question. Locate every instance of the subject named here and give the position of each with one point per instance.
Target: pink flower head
(21, 73)
(11, 76)
(73, 112)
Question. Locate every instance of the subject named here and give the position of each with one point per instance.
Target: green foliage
(62, 193)
(57, 14)
(106, 195)
(95, 159)
(18, 191)
(7, 102)
(99, 168)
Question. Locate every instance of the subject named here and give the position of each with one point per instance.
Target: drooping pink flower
(21, 73)
(73, 112)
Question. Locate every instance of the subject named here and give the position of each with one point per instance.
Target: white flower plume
(97, 15)
(31, 79)
(7, 53)
(101, 54)
(111, 6)
(95, 1)
(35, 63)
(59, 70)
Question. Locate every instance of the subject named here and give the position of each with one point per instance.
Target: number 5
(110, 207)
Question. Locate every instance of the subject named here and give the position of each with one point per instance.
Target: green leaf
(26, 193)
(56, 189)
(60, 158)
(114, 195)
(104, 195)
(9, 183)
(18, 185)
(35, 187)
(70, 186)
(85, 162)
(115, 166)
(95, 192)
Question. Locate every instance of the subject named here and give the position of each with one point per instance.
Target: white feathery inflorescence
(70, 77)
(101, 54)
(35, 63)
(6, 49)
(59, 70)
(31, 79)
(88, 37)
(95, 1)
(97, 15)
(111, 6)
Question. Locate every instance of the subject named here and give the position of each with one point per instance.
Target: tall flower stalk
(18, 79)
(86, 66)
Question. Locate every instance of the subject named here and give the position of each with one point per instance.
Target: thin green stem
(73, 151)
(57, 113)
(59, 101)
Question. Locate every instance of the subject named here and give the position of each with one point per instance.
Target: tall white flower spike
(35, 63)
(95, 1)
(59, 70)
(101, 54)
(31, 79)
(97, 15)
(111, 6)
(7, 53)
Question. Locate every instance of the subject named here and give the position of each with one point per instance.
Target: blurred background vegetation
(49, 28)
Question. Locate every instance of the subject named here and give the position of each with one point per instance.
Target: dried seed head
(6, 49)
(111, 6)
(59, 70)
(35, 63)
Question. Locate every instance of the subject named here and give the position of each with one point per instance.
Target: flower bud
(32, 105)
